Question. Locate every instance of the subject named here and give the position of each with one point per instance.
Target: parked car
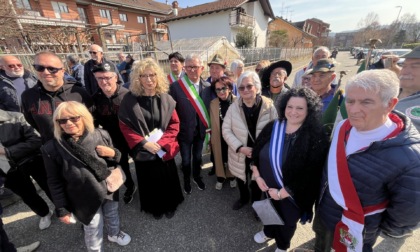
(398, 52)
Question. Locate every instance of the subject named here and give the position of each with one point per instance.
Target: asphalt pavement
(205, 220)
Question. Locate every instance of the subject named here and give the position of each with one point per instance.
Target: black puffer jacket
(38, 105)
(8, 96)
(386, 170)
(20, 140)
(73, 186)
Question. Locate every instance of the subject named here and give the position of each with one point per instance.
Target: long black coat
(73, 186)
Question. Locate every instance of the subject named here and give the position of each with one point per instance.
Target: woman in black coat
(288, 160)
(80, 162)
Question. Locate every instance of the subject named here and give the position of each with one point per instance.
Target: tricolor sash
(276, 150)
(172, 78)
(348, 235)
(197, 103)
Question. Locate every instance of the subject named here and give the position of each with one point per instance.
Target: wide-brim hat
(286, 65)
(414, 54)
(217, 59)
(323, 65)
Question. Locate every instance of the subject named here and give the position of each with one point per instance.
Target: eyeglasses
(146, 76)
(93, 52)
(72, 119)
(274, 74)
(248, 87)
(52, 70)
(104, 78)
(221, 90)
(15, 66)
(189, 68)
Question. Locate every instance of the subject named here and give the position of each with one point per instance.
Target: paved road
(203, 222)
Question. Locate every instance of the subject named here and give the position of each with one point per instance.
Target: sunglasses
(15, 66)
(248, 87)
(72, 119)
(41, 69)
(221, 90)
(93, 52)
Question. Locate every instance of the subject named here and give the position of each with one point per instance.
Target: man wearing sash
(194, 119)
(372, 174)
(176, 62)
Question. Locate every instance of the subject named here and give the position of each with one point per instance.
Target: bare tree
(369, 27)
(278, 38)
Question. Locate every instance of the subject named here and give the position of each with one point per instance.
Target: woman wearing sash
(287, 162)
(218, 108)
(244, 120)
(147, 109)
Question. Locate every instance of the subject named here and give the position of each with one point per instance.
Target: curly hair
(225, 81)
(314, 104)
(138, 69)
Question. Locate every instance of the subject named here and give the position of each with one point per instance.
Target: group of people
(266, 137)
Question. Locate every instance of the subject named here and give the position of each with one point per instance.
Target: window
(23, 4)
(156, 19)
(59, 8)
(82, 14)
(140, 20)
(123, 17)
(106, 14)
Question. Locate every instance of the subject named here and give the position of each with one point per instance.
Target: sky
(342, 15)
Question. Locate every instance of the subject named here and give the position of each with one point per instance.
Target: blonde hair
(138, 69)
(77, 109)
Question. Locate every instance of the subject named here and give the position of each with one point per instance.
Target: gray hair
(383, 82)
(255, 79)
(194, 56)
(234, 65)
(73, 59)
(322, 48)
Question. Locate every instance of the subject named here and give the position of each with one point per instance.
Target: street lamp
(399, 6)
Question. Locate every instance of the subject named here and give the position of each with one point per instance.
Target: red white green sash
(196, 101)
(348, 235)
(172, 78)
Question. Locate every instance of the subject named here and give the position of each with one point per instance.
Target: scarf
(276, 150)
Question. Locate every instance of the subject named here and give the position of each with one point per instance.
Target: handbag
(142, 155)
(115, 180)
(267, 213)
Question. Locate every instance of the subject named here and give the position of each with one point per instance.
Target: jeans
(193, 149)
(107, 214)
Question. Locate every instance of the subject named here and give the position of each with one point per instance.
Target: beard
(15, 74)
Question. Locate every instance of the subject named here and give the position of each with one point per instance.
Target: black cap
(104, 68)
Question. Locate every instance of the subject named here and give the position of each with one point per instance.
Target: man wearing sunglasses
(14, 79)
(40, 101)
(97, 57)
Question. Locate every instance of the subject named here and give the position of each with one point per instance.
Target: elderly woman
(78, 162)
(237, 68)
(288, 160)
(146, 111)
(218, 108)
(244, 120)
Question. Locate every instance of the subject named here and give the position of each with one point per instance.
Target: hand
(105, 151)
(152, 147)
(65, 219)
(261, 184)
(123, 71)
(2, 151)
(247, 151)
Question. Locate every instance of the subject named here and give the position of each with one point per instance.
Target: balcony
(34, 17)
(241, 20)
(159, 28)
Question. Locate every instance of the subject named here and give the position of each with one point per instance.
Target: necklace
(220, 108)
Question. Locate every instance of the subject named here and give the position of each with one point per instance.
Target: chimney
(175, 8)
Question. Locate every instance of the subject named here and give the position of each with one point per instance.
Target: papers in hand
(155, 136)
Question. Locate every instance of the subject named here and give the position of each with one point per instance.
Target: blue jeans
(194, 149)
(108, 214)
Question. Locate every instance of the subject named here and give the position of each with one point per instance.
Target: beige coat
(235, 132)
(216, 147)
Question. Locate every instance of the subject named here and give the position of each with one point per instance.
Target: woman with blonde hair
(150, 125)
(80, 162)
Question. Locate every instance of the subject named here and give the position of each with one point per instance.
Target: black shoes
(200, 184)
(170, 214)
(158, 216)
(128, 195)
(187, 187)
(238, 205)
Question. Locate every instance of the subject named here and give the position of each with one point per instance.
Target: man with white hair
(97, 57)
(14, 79)
(373, 169)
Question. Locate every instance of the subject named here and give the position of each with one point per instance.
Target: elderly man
(373, 170)
(194, 119)
(176, 62)
(14, 79)
(321, 52)
(107, 103)
(40, 101)
(274, 79)
(77, 69)
(322, 77)
(97, 57)
(409, 102)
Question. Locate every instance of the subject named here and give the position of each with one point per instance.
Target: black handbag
(142, 155)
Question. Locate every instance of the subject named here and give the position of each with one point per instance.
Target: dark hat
(414, 54)
(217, 59)
(323, 65)
(267, 71)
(103, 68)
